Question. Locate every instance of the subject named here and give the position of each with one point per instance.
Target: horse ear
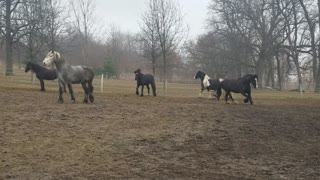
(58, 55)
(52, 51)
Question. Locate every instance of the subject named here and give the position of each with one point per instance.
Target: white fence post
(101, 84)
(166, 88)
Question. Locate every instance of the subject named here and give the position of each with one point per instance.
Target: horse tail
(219, 91)
(153, 85)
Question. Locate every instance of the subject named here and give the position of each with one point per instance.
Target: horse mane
(138, 71)
(35, 66)
(57, 54)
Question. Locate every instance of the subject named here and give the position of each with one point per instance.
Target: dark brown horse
(241, 85)
(144, 80)
(42, 73)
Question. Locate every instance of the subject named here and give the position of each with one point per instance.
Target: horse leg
(90, 86)
(201, 90)
(249, 97)
(71, 92)
(148, 89)
(42, 85)
(64, 87)
(226, 97)
(86, 92)
(246, 99)
(232, 98)
(209, 93)
(60, 100)
(142, 90)
(137, 90)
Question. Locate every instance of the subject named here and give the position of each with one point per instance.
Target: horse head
(28, 67)
(199, 74)
(253, 79)
(137, 72)
(51, 57)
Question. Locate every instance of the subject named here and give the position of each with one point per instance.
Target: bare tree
(14, 23)
(169, 28)
(317, 89)
(36, 13)
(311, 26)
(292, 29)
(84, 20)
(149, 36)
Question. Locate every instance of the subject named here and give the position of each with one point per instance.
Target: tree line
(276, 39)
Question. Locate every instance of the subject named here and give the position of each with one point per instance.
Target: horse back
(76, 74)
(145, 79)
(214, 84)
(232, 85)
(47, 74)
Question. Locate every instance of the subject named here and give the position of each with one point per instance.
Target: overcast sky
(127, 13)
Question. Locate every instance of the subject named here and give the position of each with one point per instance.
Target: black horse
(42, 73)
(206, 82)
(144, 80)
(241, 85)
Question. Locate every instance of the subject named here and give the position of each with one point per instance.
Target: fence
(20, 79)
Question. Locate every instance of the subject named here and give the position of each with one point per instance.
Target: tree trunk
(313, 44)
(164, 74)
(317, 87)
(8, 36)
(279, 71)
(9, 60)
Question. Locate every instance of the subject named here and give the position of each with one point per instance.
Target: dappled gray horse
(69, 75)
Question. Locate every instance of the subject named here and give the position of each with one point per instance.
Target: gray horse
(69, 75)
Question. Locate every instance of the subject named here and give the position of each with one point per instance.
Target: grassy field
(24, 80)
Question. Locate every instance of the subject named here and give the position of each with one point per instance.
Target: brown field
(182, 136)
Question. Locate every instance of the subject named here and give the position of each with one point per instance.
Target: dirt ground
(122, 136)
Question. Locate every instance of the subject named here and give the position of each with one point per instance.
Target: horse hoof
(91, 99)
(228, 102)
(245, 100)
(235, 102)
(60, 101)
(141, 95)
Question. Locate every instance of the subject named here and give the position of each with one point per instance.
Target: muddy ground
(122, 136)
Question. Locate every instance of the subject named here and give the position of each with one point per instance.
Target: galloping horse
(144, 80)
(69, 75)
(206, 82)
(42, 73)
(241, 85)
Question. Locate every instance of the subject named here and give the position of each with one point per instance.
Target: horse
(69, 75)
(240, 85)
(144, 80)
(206, 82)
(42, 73)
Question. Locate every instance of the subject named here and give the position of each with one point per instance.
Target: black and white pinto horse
(241, 85)
(42, 73)
(69, 75)
(144, 80)
(207, 83)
